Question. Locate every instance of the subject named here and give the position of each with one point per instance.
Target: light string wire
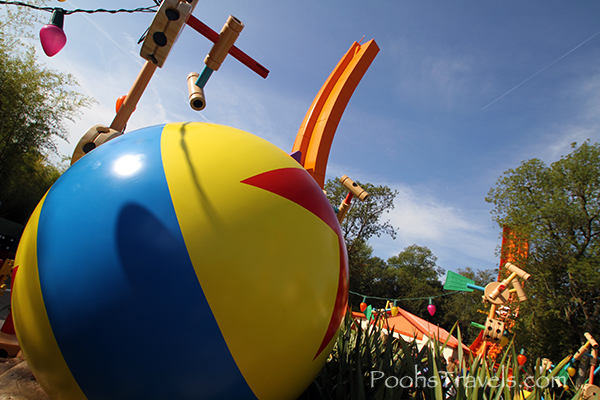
(150, 9)
(407, 299)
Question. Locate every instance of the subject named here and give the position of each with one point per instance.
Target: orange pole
(593, 365)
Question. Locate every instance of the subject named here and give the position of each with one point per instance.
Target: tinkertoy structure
(170, 19)
(207, 213)
(497, 294)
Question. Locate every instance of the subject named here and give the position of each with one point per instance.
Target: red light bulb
(431, 308)
(52, 36)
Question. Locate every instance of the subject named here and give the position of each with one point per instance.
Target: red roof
(410, 325)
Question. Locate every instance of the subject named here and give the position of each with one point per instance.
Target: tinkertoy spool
(493, 330)
(229, 34)
(354, 188)
(94, 137)
(196, 93)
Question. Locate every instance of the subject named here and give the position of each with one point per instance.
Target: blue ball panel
(111, 257)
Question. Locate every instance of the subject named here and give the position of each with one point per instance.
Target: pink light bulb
(431, 308)
(52, 36)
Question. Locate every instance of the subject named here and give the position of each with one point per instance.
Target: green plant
(367, 364)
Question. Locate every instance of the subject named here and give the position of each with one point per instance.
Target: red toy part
(431, 309)
(119, 103)
(8, 339)
(235, 52)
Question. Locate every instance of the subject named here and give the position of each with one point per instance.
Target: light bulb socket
(58, 18)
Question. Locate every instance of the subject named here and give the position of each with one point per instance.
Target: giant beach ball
(180, 261)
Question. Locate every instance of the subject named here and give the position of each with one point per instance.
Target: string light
(53, 37)
(150, 9)
(407, 299)
(431, 307)
(368, 309)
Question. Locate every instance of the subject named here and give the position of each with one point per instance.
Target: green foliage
(364, 364)
(557, 208)
(16, 23)
(363, 221)
(363, 360)
(35, 103)
(28, 183)
(365, 271)
(413, 273)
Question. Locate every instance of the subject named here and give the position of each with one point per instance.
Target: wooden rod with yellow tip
(590, 342)
(591, 339)
(344, 207)
(519, 289)
(502, 286)
(492, 312)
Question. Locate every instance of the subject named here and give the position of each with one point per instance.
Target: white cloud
(580, 122)
(458, 238)
(431, 75)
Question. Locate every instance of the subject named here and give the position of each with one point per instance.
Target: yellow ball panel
(31, 321)
(268, 267)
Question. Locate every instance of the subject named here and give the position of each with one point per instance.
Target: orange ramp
(316, 133)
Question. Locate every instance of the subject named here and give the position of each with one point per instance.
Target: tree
(362, 222)
(413, 274)
(411, 277)
(35, 103)
(557, 208)
(28, 183)
(364, 269)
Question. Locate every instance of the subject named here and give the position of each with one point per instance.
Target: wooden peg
(590, 339)
(493, 330)
(166, 26)
(519, 290)
(196, 93)
(354, 188)
(94, 137)
(134, 95)
(516, 270)
(495, 287)
(590, 342)
(344, 207)
(229, 34)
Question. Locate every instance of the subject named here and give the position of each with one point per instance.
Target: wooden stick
(133, 97)
(236, 53)
(590, 339)
(502, 287)
(492, 312)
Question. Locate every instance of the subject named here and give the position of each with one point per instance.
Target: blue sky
(460, 92)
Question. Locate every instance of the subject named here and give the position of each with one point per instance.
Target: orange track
(321, 121)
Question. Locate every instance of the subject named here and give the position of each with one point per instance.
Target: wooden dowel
(133, 97)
